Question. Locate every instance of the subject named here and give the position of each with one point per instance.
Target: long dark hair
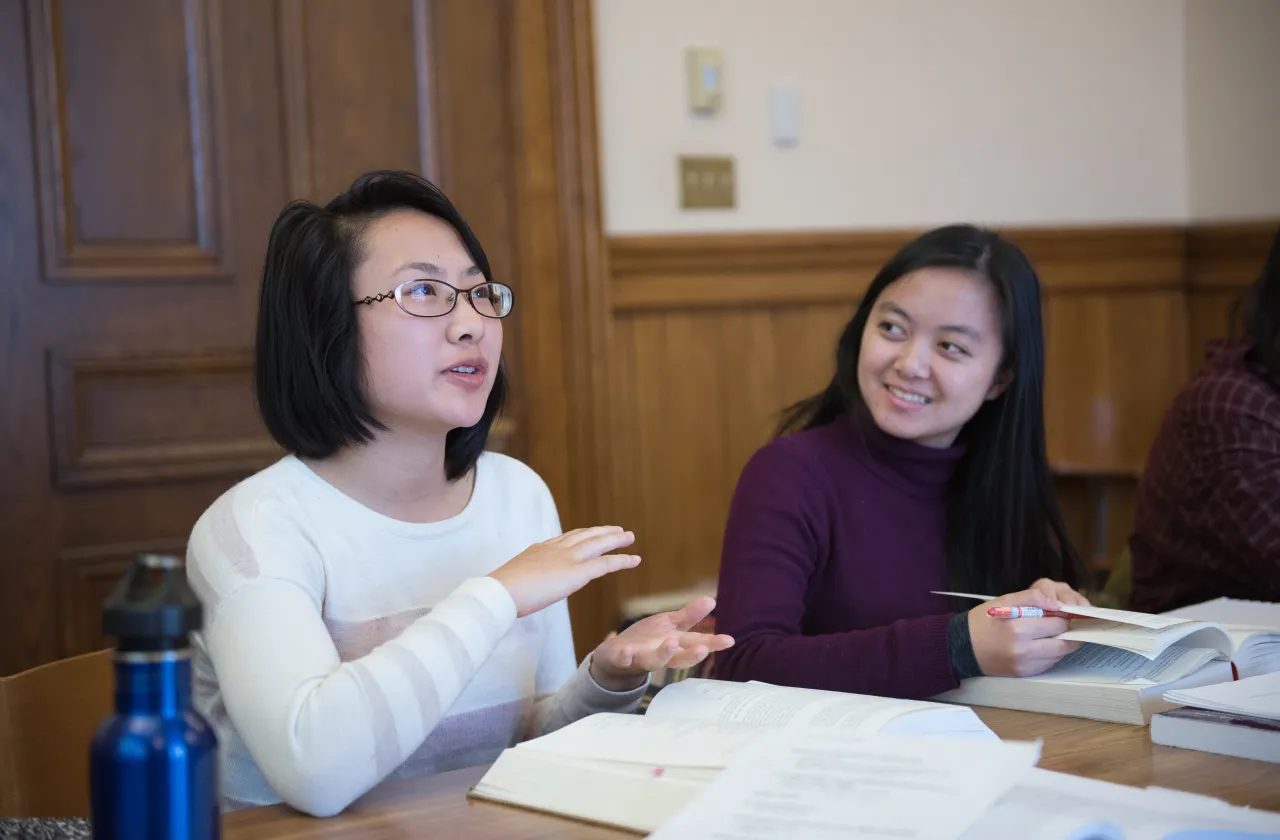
(1004, 529)
(1262, 314)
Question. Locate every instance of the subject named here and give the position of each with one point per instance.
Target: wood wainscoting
(713, 335)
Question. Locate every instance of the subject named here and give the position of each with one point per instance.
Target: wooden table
(437, 806)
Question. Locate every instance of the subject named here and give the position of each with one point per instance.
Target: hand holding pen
(1027, 612)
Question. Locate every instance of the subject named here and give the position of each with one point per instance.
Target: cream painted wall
(912, 112)
(1233, 108)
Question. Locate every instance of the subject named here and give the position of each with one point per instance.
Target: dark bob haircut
(308, 369)
(1004, 529)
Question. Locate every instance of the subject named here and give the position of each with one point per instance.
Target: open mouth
(908, 396)
(469, 373)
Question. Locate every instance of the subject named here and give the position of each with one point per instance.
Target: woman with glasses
(389, 598)
(921, 468)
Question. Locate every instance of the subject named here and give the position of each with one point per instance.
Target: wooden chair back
(48, 716)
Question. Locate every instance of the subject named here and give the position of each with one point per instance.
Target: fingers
(580, 535)
(1060, 591)
(712, 643)
(1051, 650)
(597, 544)
(1072, 598)
(1026, 598)
(1039, 628)
(677, 650)
(692, 612)
(598, 567)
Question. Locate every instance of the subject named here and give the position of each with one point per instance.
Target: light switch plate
(707, 182)
(704, 66)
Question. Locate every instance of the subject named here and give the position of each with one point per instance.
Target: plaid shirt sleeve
(1207, 522)
(1237, 429)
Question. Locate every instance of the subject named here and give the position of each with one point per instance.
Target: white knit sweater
(341, 646)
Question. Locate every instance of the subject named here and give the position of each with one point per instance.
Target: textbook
(1129, 660)
(1240, 718)
(635, 771)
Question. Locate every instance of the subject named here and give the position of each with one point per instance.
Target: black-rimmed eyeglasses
(433, 298)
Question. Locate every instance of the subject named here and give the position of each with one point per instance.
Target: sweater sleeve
(775, 542)
(323, 731)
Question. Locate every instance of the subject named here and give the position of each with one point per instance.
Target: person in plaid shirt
(1207, 522)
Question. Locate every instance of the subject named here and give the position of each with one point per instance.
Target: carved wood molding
(1228, 255)
(124, 419)
(773, 268)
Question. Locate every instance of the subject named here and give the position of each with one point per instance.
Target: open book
(635, 771)
(1254, 627)
(1129, 660)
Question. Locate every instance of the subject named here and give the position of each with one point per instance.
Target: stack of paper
(1055, 806)
(1256, 696)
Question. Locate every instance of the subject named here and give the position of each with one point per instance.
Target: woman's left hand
(622, 662)
(1060, 592)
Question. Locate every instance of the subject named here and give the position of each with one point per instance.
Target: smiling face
(431, 375)
(930, 354)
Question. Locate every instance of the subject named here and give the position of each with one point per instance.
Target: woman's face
(931, 354)
(430, 375)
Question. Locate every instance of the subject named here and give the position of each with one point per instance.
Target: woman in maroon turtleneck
(920, 468)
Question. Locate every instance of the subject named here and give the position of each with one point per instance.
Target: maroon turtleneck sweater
(834, 541)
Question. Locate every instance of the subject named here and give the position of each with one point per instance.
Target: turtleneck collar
(915, 469)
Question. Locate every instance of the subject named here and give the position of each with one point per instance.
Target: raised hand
(551, 571)
(663, 640)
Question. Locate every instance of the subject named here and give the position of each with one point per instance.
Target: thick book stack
(1239, 718)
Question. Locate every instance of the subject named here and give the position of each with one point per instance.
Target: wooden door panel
(123, 92)
(146, 146)
(355, 87)
(129, 298)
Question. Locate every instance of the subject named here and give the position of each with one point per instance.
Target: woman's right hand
(1018, 647)
(551, 571)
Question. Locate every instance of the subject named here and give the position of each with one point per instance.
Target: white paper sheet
(768, 705)
(1258, 696)
(811, 785)
(1045, 805)
(1261, 614)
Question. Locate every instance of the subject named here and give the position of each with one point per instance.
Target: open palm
(662, 640)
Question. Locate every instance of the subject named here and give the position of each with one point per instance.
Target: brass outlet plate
(707, 183)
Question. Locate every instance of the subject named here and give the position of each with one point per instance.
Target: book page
(1258, 696)
(626, 796)
(776, 706)
(806, 785)
(642, 739)
(1147, 641)
(1100, 664)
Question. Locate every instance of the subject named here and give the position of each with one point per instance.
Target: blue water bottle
(153, 771)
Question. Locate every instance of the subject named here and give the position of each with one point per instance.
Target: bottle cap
(153, 606)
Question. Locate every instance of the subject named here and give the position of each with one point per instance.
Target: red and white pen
(1024, 612)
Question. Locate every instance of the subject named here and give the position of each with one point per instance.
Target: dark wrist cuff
(964, 664)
